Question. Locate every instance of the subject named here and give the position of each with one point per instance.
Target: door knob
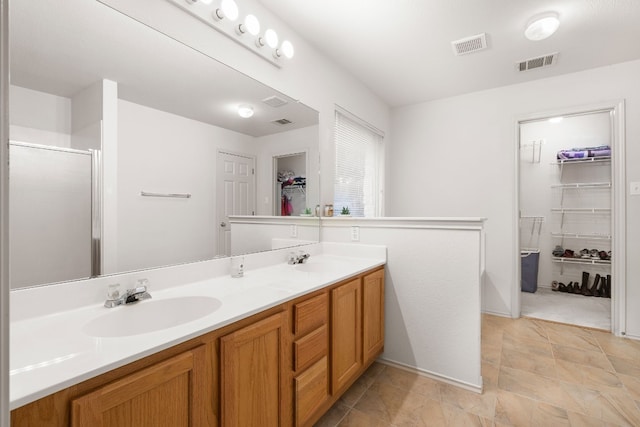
(223, 224)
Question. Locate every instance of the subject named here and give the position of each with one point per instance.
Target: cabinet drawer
(309, 348)
(310, 314)
(311, 391)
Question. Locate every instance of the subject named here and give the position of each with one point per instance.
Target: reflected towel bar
(174, 195)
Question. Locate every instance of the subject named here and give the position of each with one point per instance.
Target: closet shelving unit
(296, 192)
(564, 211)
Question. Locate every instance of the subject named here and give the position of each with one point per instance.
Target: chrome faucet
(301, 258)
(129, 297)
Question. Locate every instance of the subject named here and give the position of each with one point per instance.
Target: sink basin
(150, 316)
(312, 268)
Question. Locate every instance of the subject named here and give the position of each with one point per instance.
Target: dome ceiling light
(542, 26)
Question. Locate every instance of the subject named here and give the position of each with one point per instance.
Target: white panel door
(235, 193)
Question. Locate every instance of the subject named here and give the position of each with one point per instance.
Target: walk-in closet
(566, 219)
(291, 184)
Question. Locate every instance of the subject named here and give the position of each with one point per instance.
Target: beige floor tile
(588, 376)
(491, 353)
(545, 415)
(632, 384)
(490, 376)
(541, 365)
(481, 404)
(617, 408)
(513, 410)
(390, 404)
(616, 346)
(411, 382)
(529, 385)
(533, 347)
(580, 420)
(526, 329)
(573, 337)
(595, 359)
(355, 392)
(626, 366)
(456, 417)
(357, 418)
(333, 416)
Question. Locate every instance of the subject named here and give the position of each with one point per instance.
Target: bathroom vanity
(278, 349)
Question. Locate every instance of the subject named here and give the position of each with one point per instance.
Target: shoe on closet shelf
(585, 253)
(558, 251)
(568, 253)
(595, 254)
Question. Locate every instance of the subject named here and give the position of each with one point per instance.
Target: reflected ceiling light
(555, 119)
(271, 38)
(245, 111)
(228, 9)
(250, 25)
(542, 26)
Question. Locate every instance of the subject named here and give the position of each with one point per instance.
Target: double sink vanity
(276, 347)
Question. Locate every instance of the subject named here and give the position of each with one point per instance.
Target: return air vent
(469, 44)
(274, 101)
(281, 122)
(538, 62)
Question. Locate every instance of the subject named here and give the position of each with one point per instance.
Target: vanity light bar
(246, 30)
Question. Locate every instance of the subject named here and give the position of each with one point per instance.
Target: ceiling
(63, 47)
(402, 51)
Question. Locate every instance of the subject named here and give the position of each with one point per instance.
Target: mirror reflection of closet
(291, 184)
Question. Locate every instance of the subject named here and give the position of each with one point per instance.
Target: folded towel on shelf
(583, 153)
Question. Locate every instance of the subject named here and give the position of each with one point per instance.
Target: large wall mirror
(127, 150)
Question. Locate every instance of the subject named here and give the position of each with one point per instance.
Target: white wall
(538, 197)
(462, 149)
(164, 153)
(39, 117)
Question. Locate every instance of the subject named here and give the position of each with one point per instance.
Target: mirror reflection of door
(50, 214)
(290, 184)
(235, 192)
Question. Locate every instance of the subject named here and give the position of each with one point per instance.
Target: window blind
(357, 162)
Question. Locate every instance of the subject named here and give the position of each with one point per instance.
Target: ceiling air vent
(538, 62)
(469, 44)
(274, 101)
(281, 122)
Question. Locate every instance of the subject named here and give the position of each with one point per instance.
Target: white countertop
(52, 352)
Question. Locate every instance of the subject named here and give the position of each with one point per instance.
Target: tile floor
(567, 308)
(536, 373)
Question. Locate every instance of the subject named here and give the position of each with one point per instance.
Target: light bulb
(542, 26)
(228, 9)
(271, 37)
(287, 49)
(245, 111)
(252, 25)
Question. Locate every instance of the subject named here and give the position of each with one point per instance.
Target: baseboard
(497, 313)
(632, 337)
(432, 375)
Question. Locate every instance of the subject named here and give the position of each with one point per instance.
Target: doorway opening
(570, 217)
(290, 184)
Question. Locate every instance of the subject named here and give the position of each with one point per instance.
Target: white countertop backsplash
(50, 351)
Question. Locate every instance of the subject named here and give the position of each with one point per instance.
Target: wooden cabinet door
(372, 315)
(172, 393)
(346, 334)
(251, 368)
